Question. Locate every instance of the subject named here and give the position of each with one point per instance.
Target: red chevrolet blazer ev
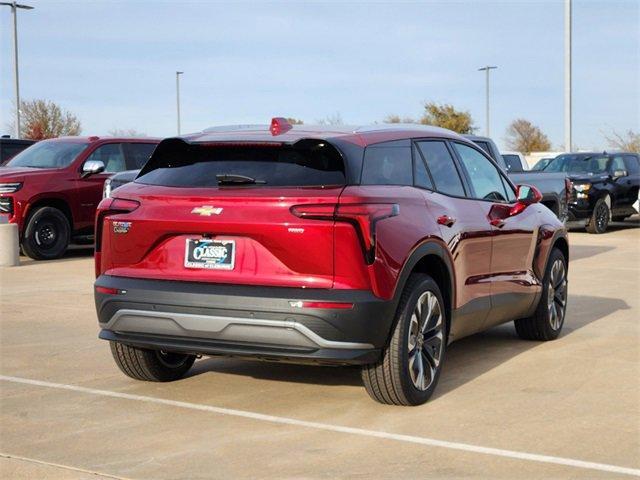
(375, 246)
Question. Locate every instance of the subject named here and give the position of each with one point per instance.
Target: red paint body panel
(64, 185)
(496, 269)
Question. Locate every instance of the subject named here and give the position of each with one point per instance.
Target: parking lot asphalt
(504, 408)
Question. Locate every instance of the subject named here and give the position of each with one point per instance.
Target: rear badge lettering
(296, 230)
(121, 227)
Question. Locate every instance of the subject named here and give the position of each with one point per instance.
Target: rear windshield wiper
(236, 179)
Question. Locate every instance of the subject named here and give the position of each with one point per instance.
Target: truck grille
(6, 205)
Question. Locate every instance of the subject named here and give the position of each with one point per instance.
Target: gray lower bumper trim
(233, 329)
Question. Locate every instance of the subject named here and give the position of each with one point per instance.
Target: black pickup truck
(605, 186)
(555, 187)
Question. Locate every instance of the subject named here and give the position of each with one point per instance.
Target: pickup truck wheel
(548, 319)
(599, 220)
(411, 364)
(151, 365)
(47, 234)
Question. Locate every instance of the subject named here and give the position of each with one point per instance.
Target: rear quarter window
(388, 163)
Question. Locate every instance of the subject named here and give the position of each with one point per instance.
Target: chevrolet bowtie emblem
(207, 210)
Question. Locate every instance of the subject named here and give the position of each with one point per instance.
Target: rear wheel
(47, 234)
(599, 220)
(151, 365)
(410, 366)
(548, 319)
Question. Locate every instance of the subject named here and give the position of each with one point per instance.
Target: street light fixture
(14, 9)
(178, 98)
(486, 69)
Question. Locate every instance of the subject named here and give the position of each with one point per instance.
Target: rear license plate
(212, 254)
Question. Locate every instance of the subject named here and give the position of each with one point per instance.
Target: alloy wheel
(557, 294)
(602, 217)
(426, 340)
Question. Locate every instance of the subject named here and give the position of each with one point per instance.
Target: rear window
(305, 164)
(512, 162)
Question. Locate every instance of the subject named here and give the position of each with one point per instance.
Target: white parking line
(58, 465)
(533, 457)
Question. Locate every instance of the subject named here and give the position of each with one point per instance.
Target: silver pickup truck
(555, 187)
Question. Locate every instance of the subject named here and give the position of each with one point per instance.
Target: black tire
(543, 325)
(47, 234)
(390, 380)
(151, 365)
(599, 220)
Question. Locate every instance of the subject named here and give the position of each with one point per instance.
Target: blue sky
(113, 63)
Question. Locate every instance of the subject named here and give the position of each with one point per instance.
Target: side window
(617, 164)
(138, 154)
(387, 164)
(442, 168)
(485, 178)
(112, 157)
(631, 162)
(484, 146)
(421, 177)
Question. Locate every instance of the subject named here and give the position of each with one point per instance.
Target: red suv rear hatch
(222, 213)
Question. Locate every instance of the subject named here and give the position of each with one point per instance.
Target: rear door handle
(446, 220)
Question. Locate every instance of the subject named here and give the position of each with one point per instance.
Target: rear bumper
(244, 321)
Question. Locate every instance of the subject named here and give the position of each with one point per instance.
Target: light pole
(178, 97)
(567, 76)
(14, 9)
(486, 69)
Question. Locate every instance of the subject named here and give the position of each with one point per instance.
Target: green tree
(525, 137)
(446, 116)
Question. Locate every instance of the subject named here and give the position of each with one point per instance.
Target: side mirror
(620, 173)
(91, 167)
(525, 196)
(528, 194)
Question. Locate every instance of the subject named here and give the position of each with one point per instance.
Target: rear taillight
(111, 206)
(363, 216)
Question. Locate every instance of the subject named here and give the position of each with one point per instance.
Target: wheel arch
(432, 258)
(54, 202)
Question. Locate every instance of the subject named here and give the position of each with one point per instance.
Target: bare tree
(45, 119)
(627, 142)
(126, 132)
(525, 137)
(446, 116)
(335, 119)
(295, 121)
(392, 118)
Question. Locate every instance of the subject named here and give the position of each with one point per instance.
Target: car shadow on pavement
(466, 359)
(579, 252)
(74, 252)
(473, 356)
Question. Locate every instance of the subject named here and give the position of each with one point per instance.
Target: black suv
(605, 186)
(10, 147)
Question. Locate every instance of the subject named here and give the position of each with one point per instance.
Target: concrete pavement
(577, 398)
